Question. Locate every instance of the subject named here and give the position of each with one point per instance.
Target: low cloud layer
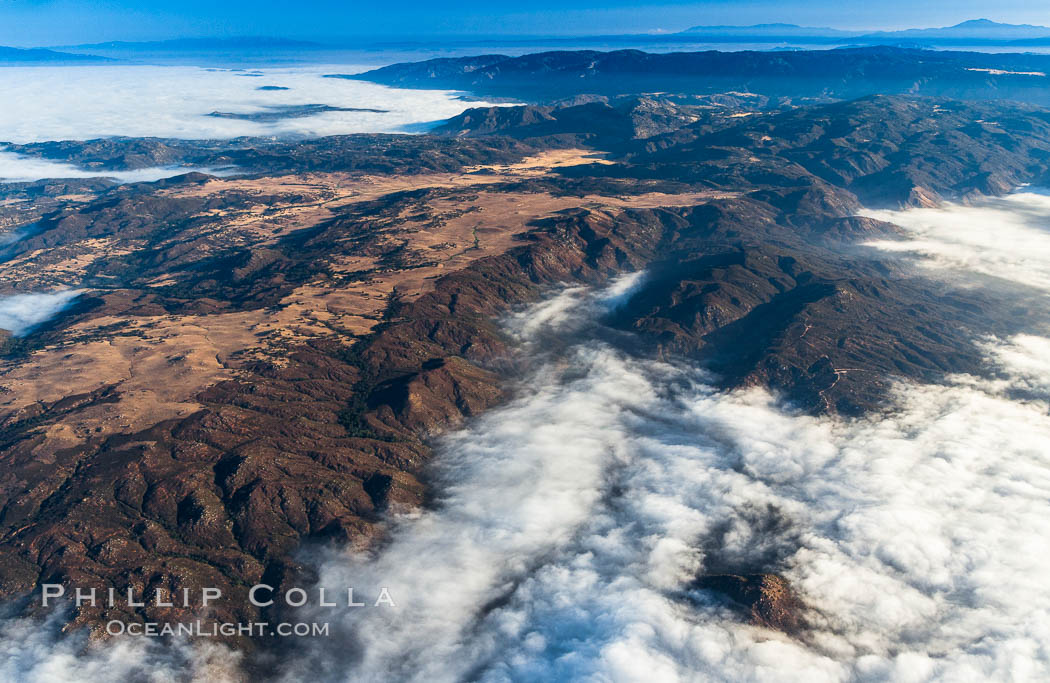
(1005, 237)
(16, 168)
(20, 313)
(85, 102)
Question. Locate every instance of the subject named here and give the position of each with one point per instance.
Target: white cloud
(32, 651)
(1006, 237)
(20, 313)
(84, 102)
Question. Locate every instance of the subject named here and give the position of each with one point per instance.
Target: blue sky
(58, 22)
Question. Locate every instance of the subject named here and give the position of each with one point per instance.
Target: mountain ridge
(197, 43)
(821, 75)
(770, 29)
(971, 29)
(39, 55)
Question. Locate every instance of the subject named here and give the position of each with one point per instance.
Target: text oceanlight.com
(252, 629)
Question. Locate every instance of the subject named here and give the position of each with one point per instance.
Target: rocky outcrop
(765, 599)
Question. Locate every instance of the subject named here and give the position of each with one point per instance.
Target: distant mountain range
(20, 56)
(975, 31)
(799, 76)
(117, 51)
(770, 30)
(238, 43)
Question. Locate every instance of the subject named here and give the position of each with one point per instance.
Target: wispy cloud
(41, 652)
(1007, 237)
(19, 168)
(20, 313)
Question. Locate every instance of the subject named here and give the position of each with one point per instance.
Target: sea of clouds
(86, 102)
(568, 525)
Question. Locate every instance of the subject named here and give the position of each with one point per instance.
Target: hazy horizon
(41, 23)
